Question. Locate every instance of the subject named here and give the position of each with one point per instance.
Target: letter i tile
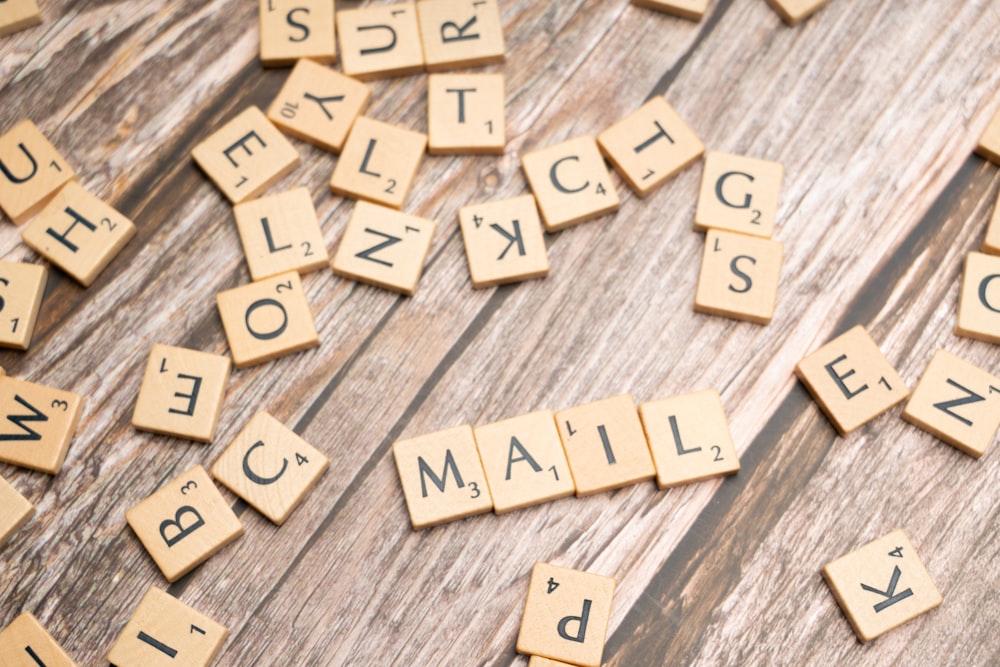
(25, 642)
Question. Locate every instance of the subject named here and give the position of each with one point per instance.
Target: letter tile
(465, 114)
(31, 171)
(37, 423)
(15, 511)
(991, 243)
(379, 163)
(21, 289)
(460, 33)
(280, 233)
(739, 277)
(380, 41)
(504, 241)
(738, 194)
(539, 661)
(293, 29)
(26, 643)
(793, 11)
(17, 15)
(979, 300)
(688, 9)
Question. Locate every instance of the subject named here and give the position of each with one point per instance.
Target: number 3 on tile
(475, 489)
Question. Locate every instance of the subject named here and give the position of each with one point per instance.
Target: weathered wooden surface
(874, 108)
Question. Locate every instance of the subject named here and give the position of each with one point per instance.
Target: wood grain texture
(881, 201)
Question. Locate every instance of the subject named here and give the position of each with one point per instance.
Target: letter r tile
(460, 33)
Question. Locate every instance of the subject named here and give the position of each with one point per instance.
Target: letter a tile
(739, 194)
(504, 241)
(991, 243)
(989, 143)
(793, 11)
(183, 524)
(15, 511)
(979, 300)
(739, 277)
(460, 33)
(688, 9)
(21, 288)
(25, 643)
(380, 41)
(293, 29)
(379, 163)
(280, 233)
(17, 15)
(37, 423)
(31, 171)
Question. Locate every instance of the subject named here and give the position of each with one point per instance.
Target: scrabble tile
(270, 467)
(739, 277)
(21, 289)
(246, 156)
(37, 423)
(182, 392)
(267, 319)
(15, 511)
(504, 241)
(442, 477)
(460, 33)
(566, 615)
(688, 9)
(184, 523)
(380, 41)
(319, 105)
(524, 461)
(650, 146)
(539, 661)
(32, 171)
(979, 300)
(793, 11)
(605, 445)
(79, 233)
(689, 438)
(991, 243)
(281, 233)
(165, 632)
(378, 163)
(957, 402)
(17, 15)
(25, 643)
(989, 143)
(881, 585)
(738, 194)
(293, 29)
(570, 182)
(851, 380)
(465, 114)
(384, 247)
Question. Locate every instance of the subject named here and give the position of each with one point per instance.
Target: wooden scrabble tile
(605, 445)
(504, 241)
(37, 423)
(267, 319)
(182, 392)
(881, 585)
(991, 243)
(460, 33)
(524, 461)
(465, 114)
(739, 277)
(989, 143)
(566, 615)
(32, 170)
(851, 380)
(183, 524)
(293, 29)
(384, 247)
(380, 41)
(979, 300)
(378, 163)
(650, 145)
(246, 156)
(957, 402)
(15, 511)
(25, 643)
(687, 9)
(79, 233)
(21, 289)
(793, 11)
(539, 661)
(570, 182)
(281, 233)
(270, 467)
(689, 438)
(442, 477)
(738, 194)
(165, 632)
(17, 15)
(319, 105)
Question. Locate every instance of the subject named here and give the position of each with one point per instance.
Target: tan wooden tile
(688, 9)
(465, 114)
(267, 319)
(378, 163)
(989, 143)
(957, 402)
(15, 511)
(319, 105)
(739, 277)
(851, 380)
(504, 241)
(26, 643)
(881, 585)
(79, 233)
(165, 632)
(566, 615)
(605, 445)
(270, 467)
(524, 461)
(793, 11)
(539, 661)
(17, 15)
(21, 289)
(246, 156)
(979, 300)
(689, 438)
(460, 33)
(570, 182)
(991, 242)
(281, 233)
(739, 194)
(184, 523)
(293, 29)
(384, 247)
(31, 171)
(442, 477)
(380, 41)
(37, 423)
